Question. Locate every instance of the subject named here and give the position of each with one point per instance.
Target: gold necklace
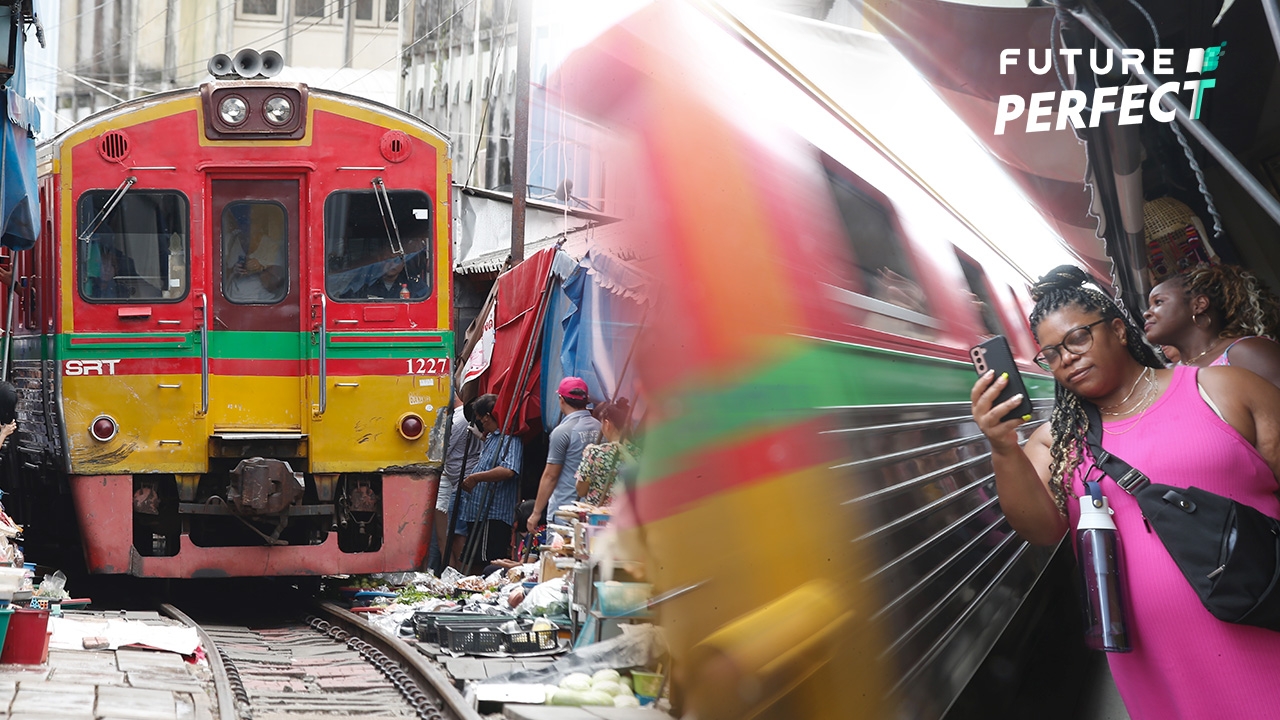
(1206, 352)
(1141, 375)
(1147, 402)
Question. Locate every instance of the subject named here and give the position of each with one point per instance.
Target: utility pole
(171, 44)
(349, 32)
(132, 28)
(520, 159)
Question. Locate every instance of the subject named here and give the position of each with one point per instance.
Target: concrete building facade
(113, 50)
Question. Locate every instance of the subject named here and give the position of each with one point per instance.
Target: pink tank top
(1186, 664)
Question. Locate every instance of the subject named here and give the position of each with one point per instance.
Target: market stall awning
(514, 366)
(483, 242)
(19, 200)
(591, 331)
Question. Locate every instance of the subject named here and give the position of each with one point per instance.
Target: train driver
(393, 281)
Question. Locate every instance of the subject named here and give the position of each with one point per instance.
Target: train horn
(272, 63)
(220, 65)
(247, 63)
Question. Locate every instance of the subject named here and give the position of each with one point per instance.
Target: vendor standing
(463, 453)
(575, 432)
(495, 483)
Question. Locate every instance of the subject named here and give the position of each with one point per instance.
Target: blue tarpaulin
(20, 211)
(590, 331)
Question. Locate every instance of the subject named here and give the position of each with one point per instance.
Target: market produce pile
(605, 687)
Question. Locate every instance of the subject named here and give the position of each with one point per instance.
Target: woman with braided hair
(1217, 315)
(1217, 428)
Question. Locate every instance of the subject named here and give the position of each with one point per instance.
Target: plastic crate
(529, 640)
(426, 624)
(463, 639)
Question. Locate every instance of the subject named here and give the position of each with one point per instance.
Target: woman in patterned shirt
(599, 468)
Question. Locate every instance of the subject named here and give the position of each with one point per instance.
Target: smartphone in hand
(994, 354)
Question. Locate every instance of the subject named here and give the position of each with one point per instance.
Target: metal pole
(8, 321)
(170, 45)
(349, 32)
(1170, 102)
(1273, 21)
(13, 255)
(520, 151)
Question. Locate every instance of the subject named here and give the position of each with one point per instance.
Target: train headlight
(278, 110)
(233, 110)
(411, 426)
(103, 428)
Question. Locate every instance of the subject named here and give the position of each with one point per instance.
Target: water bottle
(1098, 553)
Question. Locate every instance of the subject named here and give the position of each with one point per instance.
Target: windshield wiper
(388, 217)
(106, 209)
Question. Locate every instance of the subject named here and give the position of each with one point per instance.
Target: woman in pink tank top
(1217, 315)
(1185, 663)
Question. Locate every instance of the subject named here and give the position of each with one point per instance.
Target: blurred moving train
(814, 495)
(816, 505)
(233, 338)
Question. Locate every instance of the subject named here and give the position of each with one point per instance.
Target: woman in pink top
(1216, 315)
(1185, 663)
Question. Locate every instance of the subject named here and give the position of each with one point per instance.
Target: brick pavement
(125, 684)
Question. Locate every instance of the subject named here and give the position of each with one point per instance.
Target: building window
(136, 252)
(392, 11)
(308, 8)
(258, 7)
(364, 261)
(364, 8)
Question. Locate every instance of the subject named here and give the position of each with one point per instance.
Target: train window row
(136, 248)
(885, 285)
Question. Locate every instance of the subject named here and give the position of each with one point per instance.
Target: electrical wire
(398, 55)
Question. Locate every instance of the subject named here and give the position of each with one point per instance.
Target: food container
(646, 685)
(620, 599)
(10, 581)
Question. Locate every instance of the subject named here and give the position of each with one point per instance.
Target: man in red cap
(575, 432)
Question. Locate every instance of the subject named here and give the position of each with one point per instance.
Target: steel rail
(221, 683)
(450, 698)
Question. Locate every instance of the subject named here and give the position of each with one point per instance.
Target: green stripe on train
(257, 345)
(804, 375)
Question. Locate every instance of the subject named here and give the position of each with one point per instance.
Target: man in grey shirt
(463, 447)
(575, 432)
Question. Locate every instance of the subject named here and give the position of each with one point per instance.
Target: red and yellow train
(233, 339)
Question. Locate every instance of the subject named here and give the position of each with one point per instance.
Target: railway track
(328, 663)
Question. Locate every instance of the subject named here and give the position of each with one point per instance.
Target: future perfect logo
(1072, 105)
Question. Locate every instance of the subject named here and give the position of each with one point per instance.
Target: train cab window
(255, 253)
(980, 295)
(374, 253)
(886, 286)
(135, 251)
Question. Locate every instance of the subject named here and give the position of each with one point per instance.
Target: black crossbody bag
(1229, 552)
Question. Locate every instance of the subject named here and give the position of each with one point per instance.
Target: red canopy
(518, 323)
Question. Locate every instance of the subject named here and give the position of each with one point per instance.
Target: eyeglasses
(1077, 340)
